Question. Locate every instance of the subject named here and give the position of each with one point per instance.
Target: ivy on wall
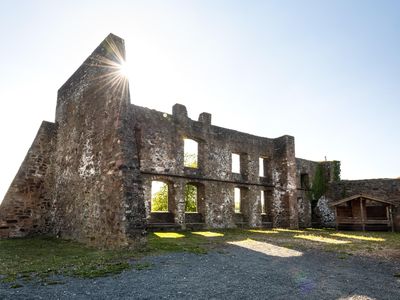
(319, 185)
(321, 180)
(336, 170)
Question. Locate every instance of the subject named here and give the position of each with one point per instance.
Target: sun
(124, 69)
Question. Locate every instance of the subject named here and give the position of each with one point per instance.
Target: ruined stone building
(89, 175)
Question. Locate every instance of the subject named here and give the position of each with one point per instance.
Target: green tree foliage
(190, 198)
(190, 160)
(160, 199)
(159, 202)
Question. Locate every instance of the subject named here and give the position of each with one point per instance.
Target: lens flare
(124, 69)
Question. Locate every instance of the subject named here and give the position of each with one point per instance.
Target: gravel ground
(235, 272)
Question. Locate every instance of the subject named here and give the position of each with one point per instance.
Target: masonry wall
(160, 137)
(26, 206)
(305, 174)
(97, 192)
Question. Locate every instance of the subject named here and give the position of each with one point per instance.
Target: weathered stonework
(81, 177)
(26, 206)
(88, 176)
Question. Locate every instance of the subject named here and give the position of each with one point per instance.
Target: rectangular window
(261, 167)
(190, 198)
(304, 181)
(237, 200)
(159, 196)
(262, 197)
(190, 153)
(235, 163)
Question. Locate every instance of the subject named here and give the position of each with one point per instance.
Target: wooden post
(362, 214)
(389, 208)
(336, 219)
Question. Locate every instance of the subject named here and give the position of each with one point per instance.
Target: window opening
(235, 163)
(237, 200)
(261, 167)
(159, 196)
(304, 181)
(262, 196)
(190, 198)
(190, 153)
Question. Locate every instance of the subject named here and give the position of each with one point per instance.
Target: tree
(159, 202)
(190, 198)
(190, 160)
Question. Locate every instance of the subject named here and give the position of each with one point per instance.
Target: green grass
(37, 259)
(40, 257)
(142, 266)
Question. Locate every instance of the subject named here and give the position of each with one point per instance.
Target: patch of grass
(397, 275)
(142, 266)
(187, 242)
(38, 258)
(100, 269)
(16, 286)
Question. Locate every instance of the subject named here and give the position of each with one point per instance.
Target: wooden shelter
(362, 212)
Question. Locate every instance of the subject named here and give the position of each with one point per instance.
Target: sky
(325, 72)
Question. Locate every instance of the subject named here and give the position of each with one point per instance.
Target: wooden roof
(356, 197)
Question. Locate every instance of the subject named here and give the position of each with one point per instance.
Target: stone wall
(307, 171)
(160, 138)
(97, 197)
(81, 177)
(26, 205)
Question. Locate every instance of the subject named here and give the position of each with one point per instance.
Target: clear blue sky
(326, 72)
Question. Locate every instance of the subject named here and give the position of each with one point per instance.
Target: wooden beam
(362, 214)
(391, 217)
(336, 218)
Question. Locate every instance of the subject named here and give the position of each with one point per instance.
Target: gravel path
(236, 272)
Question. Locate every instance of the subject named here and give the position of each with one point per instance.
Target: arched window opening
(191, 198)
(237, 200)
(190, 153)
(159, 196)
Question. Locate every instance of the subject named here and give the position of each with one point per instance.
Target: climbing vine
(319, 185)
(336, 170)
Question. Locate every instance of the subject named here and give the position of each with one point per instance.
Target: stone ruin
(88, 176)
